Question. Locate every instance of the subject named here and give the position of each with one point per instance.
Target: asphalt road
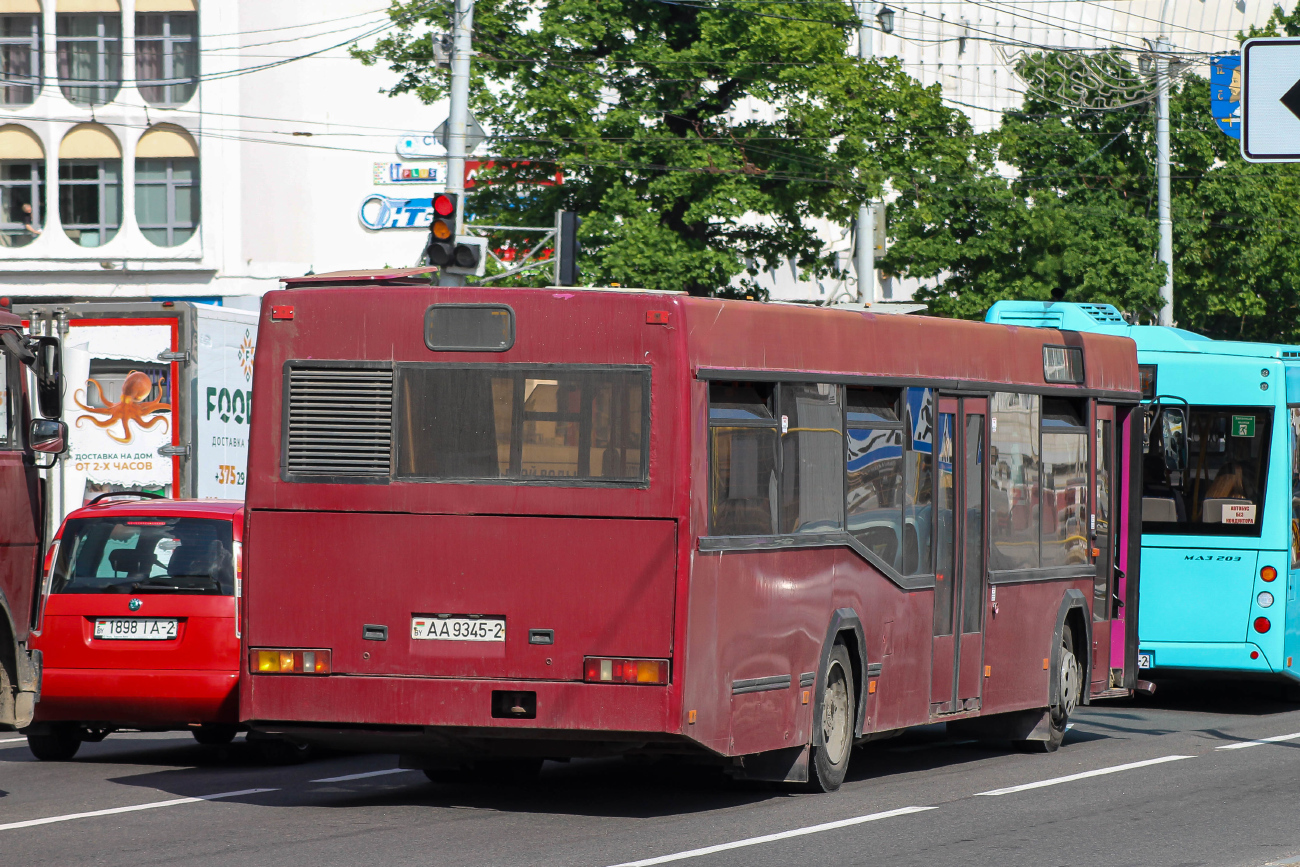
(1174, 780)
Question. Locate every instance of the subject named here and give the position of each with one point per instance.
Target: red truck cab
(139, 624)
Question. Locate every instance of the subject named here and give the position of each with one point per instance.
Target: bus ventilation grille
(340, 422)
(1103, 313)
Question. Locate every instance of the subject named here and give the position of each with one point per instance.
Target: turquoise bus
(1220, 498)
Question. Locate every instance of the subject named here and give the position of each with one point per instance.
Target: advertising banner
(224, 398)
(119, 411)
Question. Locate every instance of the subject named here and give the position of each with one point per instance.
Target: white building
(168, 148)
(182, 148)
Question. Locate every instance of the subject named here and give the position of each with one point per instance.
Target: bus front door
(956, 678)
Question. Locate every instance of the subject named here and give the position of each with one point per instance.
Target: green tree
(1062, 206)
(702, 142)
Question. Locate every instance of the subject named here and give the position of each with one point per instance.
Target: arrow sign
(1270, 100)
(1291, 99)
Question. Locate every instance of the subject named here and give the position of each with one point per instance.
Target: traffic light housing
(441, 250)
(567, 249)
(469, 256)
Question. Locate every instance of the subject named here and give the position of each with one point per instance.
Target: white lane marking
(1069, 726)
(1272, 740)
(771, 838)
(347, 777)
(13, 740)
(150, 806)
(1083, 776)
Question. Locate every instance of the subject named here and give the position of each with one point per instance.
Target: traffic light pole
(1162, 178)
(458, 117)
(866, 240)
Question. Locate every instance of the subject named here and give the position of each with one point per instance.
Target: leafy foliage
(701, 142)
(1062, 206)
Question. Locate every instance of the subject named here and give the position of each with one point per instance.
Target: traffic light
(442, 245)
(567, 249)
(455, 254)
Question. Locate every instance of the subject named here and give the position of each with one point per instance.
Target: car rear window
(146, 554)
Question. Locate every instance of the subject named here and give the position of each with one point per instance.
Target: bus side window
(6, 402)
(1294, 414)
(875, 471)
(812, 459)
(742, 460)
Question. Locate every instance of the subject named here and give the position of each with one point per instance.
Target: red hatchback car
(140, 623)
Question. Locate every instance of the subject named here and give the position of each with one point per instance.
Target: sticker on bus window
(1243, 425)
(1238, 513)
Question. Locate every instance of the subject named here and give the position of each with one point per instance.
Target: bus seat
(1159, 509)
(1212, 508)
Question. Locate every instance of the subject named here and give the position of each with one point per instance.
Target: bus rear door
(960, 575)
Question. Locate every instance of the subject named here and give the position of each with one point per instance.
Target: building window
(167, 185)
(20, 58)
(90, 185)
(166, 56)
(90, 57)
(22, 182)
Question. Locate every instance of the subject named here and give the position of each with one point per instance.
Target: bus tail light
(604, 670)
(289, 661)
(1268, 573)
(1262, 625)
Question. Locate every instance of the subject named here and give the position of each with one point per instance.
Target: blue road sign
(1225, 93)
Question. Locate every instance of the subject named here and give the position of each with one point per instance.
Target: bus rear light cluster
(603, 670)
(1262, 625)
(1268, 573)
(289, 661)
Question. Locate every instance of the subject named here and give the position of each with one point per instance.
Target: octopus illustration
(134, 406)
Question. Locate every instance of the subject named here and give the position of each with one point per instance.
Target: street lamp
(886, 18)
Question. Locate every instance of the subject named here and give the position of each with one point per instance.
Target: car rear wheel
(58, 743)
(214, 734)
(830, 760)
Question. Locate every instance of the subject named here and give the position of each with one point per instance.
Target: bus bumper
(144, 698)
(404, 714)
(1213, 656)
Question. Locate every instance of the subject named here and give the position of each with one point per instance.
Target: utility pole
(462, 25)
(866, 240)
(1166, 316)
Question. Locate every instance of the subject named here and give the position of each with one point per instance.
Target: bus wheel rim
(835, 715)
(1070, 676)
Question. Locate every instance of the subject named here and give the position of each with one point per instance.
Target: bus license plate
(1144, 660)
(426, 628)
(137, 629)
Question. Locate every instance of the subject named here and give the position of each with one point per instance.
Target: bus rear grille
(340, 422)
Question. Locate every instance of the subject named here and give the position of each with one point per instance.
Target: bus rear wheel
(830, 761)
(58, 743)
(1068, 682)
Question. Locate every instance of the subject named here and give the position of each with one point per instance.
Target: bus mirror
(1174, 435)
(48, 368)
(48, 436)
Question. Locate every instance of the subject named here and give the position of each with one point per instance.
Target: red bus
(24, 528)
(487, 527)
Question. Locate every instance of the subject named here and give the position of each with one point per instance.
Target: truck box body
(158, 398)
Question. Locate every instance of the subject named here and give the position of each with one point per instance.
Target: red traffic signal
(444, 204)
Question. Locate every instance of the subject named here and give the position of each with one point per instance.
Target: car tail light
(1262, 624)
(605, 670)
(281, 660)
(1268, 573)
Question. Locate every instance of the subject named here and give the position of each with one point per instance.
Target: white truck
(157, 399)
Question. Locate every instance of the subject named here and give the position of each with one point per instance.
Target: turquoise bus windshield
(1221, 490)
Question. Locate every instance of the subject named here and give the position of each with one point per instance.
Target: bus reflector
(656, 317)
(289, 661)
(282, 311)
(603, 670)
(1262, 624)
(1268, 573)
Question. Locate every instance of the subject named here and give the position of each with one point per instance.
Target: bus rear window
(562, 425)
(146, 554)
(1220, 491)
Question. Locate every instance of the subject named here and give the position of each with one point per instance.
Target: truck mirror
(48, 436)
(1173, 427)
(48, 368)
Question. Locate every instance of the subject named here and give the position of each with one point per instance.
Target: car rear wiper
(158, 586)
